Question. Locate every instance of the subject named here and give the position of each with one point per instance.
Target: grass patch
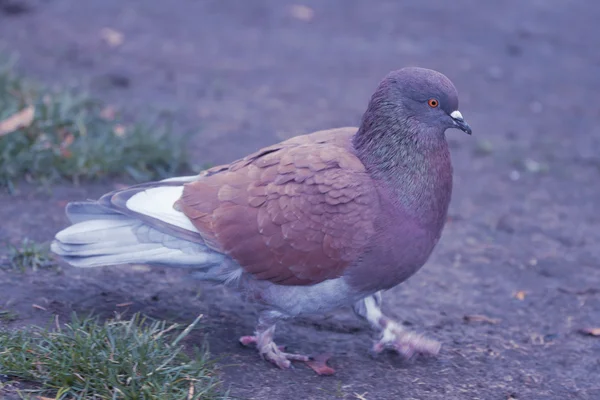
(8, 316)
(118, 359)
(28, 255)
(50, 135)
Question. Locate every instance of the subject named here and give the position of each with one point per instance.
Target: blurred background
(512, 290)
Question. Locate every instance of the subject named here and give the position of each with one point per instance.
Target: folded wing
(294, 214)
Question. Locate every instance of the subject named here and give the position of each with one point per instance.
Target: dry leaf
(44, 398)
(191, 390)
(119, 130)
(302, 12)
(66, 153)
(68, 140)
(112, 37)
(125, 304)
(481, 318)
(108, 113)
(590, 331)
(520, 295)
(22, 119)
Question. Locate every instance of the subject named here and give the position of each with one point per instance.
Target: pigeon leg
(392, 334)
(263, 338)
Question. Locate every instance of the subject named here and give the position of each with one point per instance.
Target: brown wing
(294, 214)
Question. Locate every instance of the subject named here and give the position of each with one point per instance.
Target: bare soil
(522, 243)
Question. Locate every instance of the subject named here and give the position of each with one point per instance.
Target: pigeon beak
(460, 123)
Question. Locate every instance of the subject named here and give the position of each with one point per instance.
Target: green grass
(28, 255)
(8, 316)
(72, 137)
(118, 359)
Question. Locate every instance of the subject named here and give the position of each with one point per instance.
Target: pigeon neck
(412, 164)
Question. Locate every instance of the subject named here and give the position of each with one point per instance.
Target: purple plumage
(311, 224)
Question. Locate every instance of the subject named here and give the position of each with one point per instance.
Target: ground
(521, 244)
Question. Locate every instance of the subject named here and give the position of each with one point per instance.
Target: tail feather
(97, 230)
(153, 256)
(101, 236)
(101, 249)
(84, 210)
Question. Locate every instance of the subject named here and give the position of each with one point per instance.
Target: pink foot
(276, 354)
(405, 342)
(248, 340)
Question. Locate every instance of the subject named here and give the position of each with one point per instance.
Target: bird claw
(273, 353)
(276, 354)
(247, 340)
(406, 343)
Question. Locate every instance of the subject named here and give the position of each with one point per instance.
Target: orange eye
(433, 103)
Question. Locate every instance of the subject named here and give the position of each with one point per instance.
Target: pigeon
(315, 223)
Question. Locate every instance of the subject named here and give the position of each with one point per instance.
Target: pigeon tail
(117, 240)
(146, 231)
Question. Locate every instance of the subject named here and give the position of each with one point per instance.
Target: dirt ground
(522, 244)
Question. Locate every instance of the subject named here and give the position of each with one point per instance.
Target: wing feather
(296, 213)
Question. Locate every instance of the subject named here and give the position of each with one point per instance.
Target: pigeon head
(407, 118)
(423, 98)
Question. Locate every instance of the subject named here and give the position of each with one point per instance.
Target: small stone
(302, 12)
(533, 262)
(514, 175)
(112, 37)
(534, 166)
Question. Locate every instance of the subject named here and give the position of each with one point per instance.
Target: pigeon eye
(433, 103)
